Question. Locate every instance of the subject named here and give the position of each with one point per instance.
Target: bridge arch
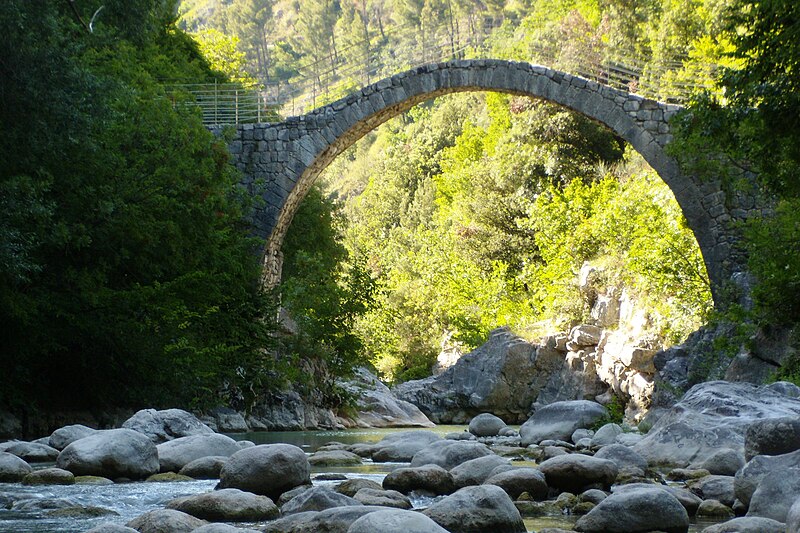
(281, 161)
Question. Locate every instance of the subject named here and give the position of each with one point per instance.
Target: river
(128, 500)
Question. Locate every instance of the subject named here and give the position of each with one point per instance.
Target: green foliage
(128, 275)
(616, 413)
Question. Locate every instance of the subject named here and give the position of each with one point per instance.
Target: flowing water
(30, 509)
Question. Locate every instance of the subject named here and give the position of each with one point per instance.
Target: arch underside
(320, 136)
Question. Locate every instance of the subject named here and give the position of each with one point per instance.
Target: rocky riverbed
(727, 454)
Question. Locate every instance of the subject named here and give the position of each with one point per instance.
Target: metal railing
(328, 79)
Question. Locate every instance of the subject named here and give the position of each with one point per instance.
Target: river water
(33, 507)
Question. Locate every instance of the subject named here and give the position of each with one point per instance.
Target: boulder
(711, 416)
(395, 521)
(519, 480)
(718, 488)
(335, 520)
(268, 470)
(793, 518)
(476, 471)
(635, 511)
(606, 435)
(774, 436)
(384, 498)
(163, 520)
(504, 377)
(581, 433)
(401, 447)
(352, 486)
(110, 527)
(317, 499)
(334, 458)
(228, 421)
(627, 460)
(748, 525)
(226, 505)
(49, 476)
(161, 426)
(33, 452)
(481, 509)
(204, 467)
(775, 495)
(63, 437)
(725, 462)
(177, 453)
(584, 335)
(428, 478)
(594, 496)
(12, 468)
(690, 501)
(486, 425)
(559, 420)
(747, 479)
(111, 453)
(222, 528)
(378, 407)
(714, 509)
(449, 453)
(575, 473)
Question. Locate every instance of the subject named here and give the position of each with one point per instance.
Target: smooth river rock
(636, 511)
(111, 453)
(481, 509)
(268, 469)
(168, 424)
(177, 453)
(226, 505)
(395, 521)
(559, 420)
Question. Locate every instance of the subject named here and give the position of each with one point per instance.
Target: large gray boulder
(168, 424)
(690, 501)
(351, 487)
(378, 407)
(226, 505)
(486, 425)
(395, 521)
(63, 437)
(175, 454)
(748, 525)
(268, 469)
(335, 520)
(711, 416)
(576, 473)
(33, 452)
(519, 480)
(607, 434)
(12, 468)
(504, 377)
(449, 453)
(775, 436)
(383, 498)
(476, 471)
(334, 458)
(204, 467)
(481, 509)
(636, 511)
(110, 527)
(112, 453)
(748, 478)
(712, 487)
(793, 518)
(775, 495)
(724, 462)
(163, 520)
(428, 478)
(626, 459)
(317, 499)
(400, 447)
(559, 420)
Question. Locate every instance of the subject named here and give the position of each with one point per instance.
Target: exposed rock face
(317, 499)
(161, 426)
(558, 421)
(289, 412)
(429, 478)
(378, 407)
(710, 417)
(520, 480)
(112, 453)
(503, 377)
(269, 470)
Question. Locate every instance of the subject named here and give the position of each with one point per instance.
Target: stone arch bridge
(280, 161)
